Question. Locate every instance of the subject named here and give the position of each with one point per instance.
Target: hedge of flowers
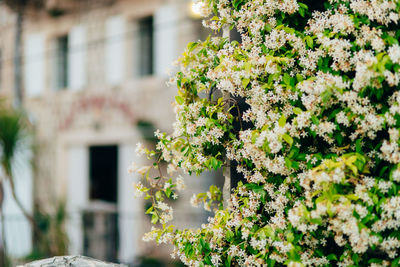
(322, 158)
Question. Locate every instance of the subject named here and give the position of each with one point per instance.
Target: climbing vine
(321, 158)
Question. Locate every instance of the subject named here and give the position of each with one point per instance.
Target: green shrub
(321, 159)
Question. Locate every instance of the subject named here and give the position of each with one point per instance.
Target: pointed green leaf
(282, 121)
(245, 82)
(297, 111)
(288, 139)
(179, 100)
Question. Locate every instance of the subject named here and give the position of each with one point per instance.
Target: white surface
(114, 54)
(78, 195)
(129, 206)
(34, 66)
(18, 229)
(77, 57)
(166, 22)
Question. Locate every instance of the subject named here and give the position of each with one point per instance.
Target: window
(61, 62)
(34, 64)
(114, 50)
(102, 221)
(103, 171)
(145, 52)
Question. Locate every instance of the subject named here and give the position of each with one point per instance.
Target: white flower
(143, 170)
(140, 149)
(215, 259)
(384, 186)
(139, 189)
(180, 184)
(167, 185)
(394, 53)
(194, 201)
(132, 168)
(295, 264)
(396, 175)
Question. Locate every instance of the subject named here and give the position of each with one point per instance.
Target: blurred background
(81, 82)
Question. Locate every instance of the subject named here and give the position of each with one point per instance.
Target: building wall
(102, 104)
(7, 21)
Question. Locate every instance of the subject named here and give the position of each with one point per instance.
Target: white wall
(77, 69)
(129, 207)
(166, 21)
(77, 196)
(114, 50)
(34, 67)
(18, 230)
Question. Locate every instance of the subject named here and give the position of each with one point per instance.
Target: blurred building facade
(93, 69)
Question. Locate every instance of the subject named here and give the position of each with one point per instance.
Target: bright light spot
(197, 9)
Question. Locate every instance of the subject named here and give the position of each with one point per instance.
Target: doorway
(100, 218)
(103, 173)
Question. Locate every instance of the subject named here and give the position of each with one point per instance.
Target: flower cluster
(318, 145)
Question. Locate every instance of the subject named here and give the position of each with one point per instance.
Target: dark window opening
(238, 125)
(145, 49)
(234, 35)
(103, 173)
(314, 5)
(62, 62)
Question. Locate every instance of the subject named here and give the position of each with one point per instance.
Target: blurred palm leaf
(12, 133)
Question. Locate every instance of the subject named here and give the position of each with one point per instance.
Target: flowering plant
(321, 159)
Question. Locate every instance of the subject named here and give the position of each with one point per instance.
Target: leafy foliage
(322, 158)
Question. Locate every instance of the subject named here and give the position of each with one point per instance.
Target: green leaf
(192, 45)
(288, 139)
(265, 86)
(247, 67)
(396, 262)
(282, 121)
(299, 78)
(304, 6)
(228, 261)
(326, 96)
(149, 210)
(302, 12)
(290, 237)
(286, 78)
(332, 257)
(309, 41)
(158, 195)
(215, 164)
(354, 169)
(179, 100)
(245, 82)
(355, 258)
(237, 4)
(297, 111)
(168, 192)
(358, 146)
(288, 163)
(154, 218)
(315, 120)
(229, 234)
(208, 260)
